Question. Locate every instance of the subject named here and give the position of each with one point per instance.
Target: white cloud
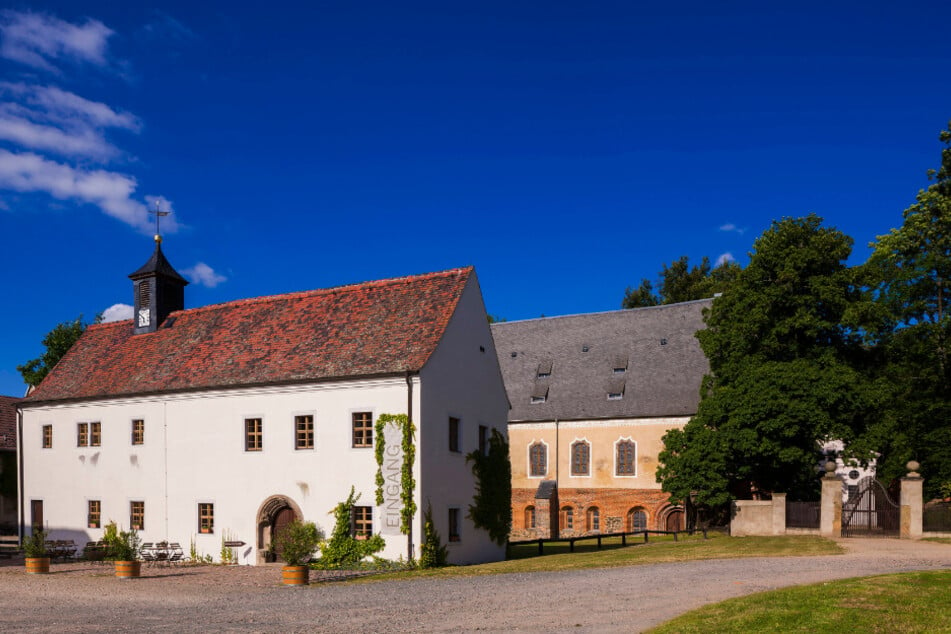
(117, 312)
(724, 258)
(38, 40)
(46, 121)
(110, 191)
(52, 120)
(732, 228)
(203, 274)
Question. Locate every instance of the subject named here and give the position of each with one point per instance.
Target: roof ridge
(247, 301)
(606, 312)
(325, 291)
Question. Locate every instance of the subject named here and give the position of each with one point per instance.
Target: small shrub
(35, 544)
(432, 553)
(297, 542)
(121, 545)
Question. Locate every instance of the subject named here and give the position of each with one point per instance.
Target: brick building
(591, 398)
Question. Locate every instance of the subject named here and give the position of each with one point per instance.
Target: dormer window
(544, 369)
(539, 393)
(615, 389)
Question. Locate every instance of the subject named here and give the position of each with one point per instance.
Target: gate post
(830, 508)
(911, 502)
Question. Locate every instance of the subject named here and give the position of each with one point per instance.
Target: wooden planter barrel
(128, 569)
(37, 565)
(295, 575)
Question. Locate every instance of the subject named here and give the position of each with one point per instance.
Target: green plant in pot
(123, 548)
(37, 557)
(296, 544)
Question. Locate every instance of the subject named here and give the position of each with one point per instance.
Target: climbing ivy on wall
(407, 482)
(491, 506)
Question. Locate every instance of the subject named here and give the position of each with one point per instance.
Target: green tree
(909, 272)
(58, 341)
(784, 371)
(680, 282)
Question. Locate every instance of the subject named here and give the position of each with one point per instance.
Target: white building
(226, 421)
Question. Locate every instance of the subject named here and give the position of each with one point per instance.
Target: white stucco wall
(194, 452)
(462, 380)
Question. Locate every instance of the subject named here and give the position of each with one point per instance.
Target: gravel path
(83, 597)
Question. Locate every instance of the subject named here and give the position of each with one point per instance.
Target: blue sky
(565, 149)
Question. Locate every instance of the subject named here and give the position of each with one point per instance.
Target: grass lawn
(661, 549)
(909, 602)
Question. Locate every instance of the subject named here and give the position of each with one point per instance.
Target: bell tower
(158, 290)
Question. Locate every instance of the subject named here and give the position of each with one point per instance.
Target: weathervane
(158, 214)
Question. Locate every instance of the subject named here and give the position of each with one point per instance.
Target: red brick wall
(613, 506)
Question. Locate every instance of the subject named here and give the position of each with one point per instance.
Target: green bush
(343, 550)
(121, 545)
(432, 553)
(297, 542)
(35, 544)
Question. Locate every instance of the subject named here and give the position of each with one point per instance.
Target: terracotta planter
(128, 569)
(295, 575)
(37, 565)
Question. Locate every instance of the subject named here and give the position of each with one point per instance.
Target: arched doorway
(675, 520)
(274, 514)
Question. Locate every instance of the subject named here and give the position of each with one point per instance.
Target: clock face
(143, 316)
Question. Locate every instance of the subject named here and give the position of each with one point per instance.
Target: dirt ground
(83, 597)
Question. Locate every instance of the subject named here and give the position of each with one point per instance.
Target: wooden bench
(9, 546)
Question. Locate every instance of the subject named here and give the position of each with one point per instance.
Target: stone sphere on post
(830, 468)
(913, 466)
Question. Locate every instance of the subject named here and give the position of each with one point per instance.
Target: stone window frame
(361, 436)
(593, 519)
(206, 518)
(625, 440)
(137, 514)
(530, 517)
(254, 434)
(531, 463)
(566, 518)
(632, 513)
(361, 522)
(94, 513)
(138, 431)
(304, 432)
(455, 434)
(455, 524)
(577, 443)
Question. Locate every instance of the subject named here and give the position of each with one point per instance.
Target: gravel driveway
(82, 597)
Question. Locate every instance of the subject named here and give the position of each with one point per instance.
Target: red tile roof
(8, 422)
(374, 328)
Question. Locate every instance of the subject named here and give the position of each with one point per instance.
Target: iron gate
(871, 512)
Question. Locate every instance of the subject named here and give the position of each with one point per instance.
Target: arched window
(637, 520)
(529, 517)
(567, 518)
(594, 519)
(538, 459)
(580, 458)
(625, 458)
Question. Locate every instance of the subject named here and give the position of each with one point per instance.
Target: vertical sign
(392, 475)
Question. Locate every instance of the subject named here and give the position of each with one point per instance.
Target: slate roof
(158, 264)
(370, 329)
(8, 422)
(648, 358)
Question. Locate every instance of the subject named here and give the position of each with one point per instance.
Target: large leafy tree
(784, 371)
(58, 341)
(680, 282)
(910, 274)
